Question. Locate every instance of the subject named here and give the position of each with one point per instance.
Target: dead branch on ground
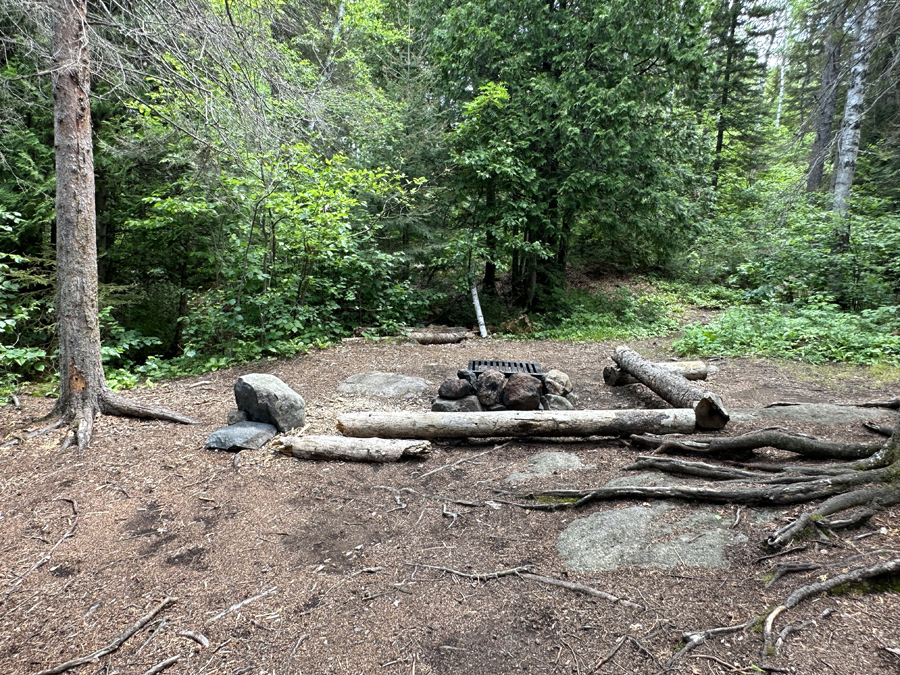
(112, 646)
(580, 588)
(236, 606)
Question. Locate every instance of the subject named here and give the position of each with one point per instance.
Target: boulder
(522, 392)
(490, 387)
(557, 382)
(236, 417)
(454, 389)
(468, 375)
(553, 402)
(241, 436)
(267, 399)
(467, 404)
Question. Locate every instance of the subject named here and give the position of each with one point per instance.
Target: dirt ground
(151, 514)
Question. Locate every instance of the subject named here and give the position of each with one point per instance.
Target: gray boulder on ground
(522, 392)
(236, 417)
(467, 404)
(557, 382)
(376, 383)
(490, 387)
(552, 402)
(455, 388)
(267, 399)
(241, 436)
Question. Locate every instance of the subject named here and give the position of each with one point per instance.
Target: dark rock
(454, 389)
(267, 399)
(469, 376)
(553, 402)
(522, 392)
(236, 417)
(467, 404)
(490, 387)
(241, 436)
(557, 382)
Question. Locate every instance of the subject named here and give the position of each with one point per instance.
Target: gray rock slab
(376, 383)
(638, 536)
(241, 436)
(813, 413)
(545, 464)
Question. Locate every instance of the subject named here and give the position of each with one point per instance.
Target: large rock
(546, 464)
(267, 399)
(241, 436)
(552, 402)
(376, 383)
(467, 404)
(455, 388)
(522, 392)
(490, 387)
(556, 382)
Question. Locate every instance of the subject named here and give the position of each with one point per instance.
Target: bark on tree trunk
(848, 140)
(82, 388)
(710, 410)
(826, 101)
(690, 370)
(351, 449)
(515, 423)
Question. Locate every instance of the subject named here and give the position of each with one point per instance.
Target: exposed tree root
(776, 437)
(80, 412)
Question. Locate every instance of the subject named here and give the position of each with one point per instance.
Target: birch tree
(866, 23)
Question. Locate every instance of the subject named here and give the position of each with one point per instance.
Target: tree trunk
(848, 140)
(825, 104)
(515, 423)
(675, 389)
(351, 449)
(82, 386)
(689, 370)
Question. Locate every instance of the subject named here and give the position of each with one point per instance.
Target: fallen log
(709, 408)
(440, 335)
(351, 449)
(689, 370)
(515, 423)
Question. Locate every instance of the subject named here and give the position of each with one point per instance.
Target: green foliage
(621, 315)
(816, 331)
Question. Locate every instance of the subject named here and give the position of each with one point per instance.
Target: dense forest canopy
(271, 176)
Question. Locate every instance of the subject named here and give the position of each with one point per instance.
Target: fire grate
(506, 367)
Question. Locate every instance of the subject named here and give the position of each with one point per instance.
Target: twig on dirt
(199, 638)
(199, 384)
(449, 514)
(112, 646)
(464, 459)
(787, 630)
(476, 577)
(580, 588)
(710, 657)
(611, 653)
(162, 665)
(236, 606)
(15, 401)
(786, 551)
(46, 557)
(737, 517)
(155, 632)
(700, 636)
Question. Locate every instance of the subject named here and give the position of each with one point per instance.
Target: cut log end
(711, 413)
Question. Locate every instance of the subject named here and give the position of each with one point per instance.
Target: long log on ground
(689, 370)
(709, 408)
(515, 423)
(351, 449)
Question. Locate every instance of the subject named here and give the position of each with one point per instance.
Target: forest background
(272, 176)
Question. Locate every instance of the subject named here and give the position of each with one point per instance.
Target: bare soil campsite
(259, 563)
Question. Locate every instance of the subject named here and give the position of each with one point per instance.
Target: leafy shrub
(816, 331)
